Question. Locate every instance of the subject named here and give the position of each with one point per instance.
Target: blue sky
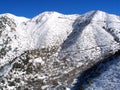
(30, 8)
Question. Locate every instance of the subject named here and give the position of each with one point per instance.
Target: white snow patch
(37, 60)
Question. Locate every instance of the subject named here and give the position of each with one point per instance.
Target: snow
(46, 30)
(93, 42)
(109, 79)
(67, 88)
(17, 19)
(44, 87)
(79, 41)
(43, 77)
(37, 60)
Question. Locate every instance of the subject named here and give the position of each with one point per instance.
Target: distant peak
(99, 12)
(94, 15)
(99, 15)
(49, 13)
(96, 11)
(7, 14)
(46, 14)
(12, 15)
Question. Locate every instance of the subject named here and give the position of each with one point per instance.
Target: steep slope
(109, 79)
(102, 76)
(92, 40)
(50, 50)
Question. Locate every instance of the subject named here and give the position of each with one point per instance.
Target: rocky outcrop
(49, 51)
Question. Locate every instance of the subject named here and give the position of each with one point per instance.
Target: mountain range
(49, 51)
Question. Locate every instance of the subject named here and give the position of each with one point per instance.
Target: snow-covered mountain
(50, 50)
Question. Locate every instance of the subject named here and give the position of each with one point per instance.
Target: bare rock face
(50, 50)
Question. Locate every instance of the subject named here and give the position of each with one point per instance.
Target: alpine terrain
(51, 51)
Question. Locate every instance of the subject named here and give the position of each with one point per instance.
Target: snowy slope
(50, 50)
(103, 76)
(92, 40)
(109, 79)
(47, 29)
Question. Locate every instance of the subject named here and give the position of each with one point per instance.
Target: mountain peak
(17, 19)
(92, 15)
(47, 14)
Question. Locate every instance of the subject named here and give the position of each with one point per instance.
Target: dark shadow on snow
(84, 80)
(78, 27)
